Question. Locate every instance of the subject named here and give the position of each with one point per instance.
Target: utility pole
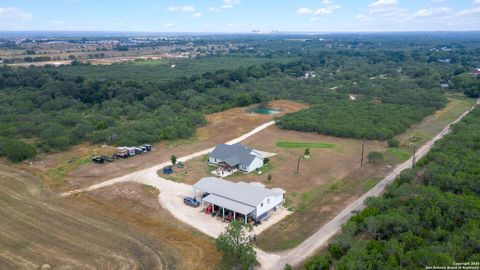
(298, 164)
(363, 148)
(413, 157)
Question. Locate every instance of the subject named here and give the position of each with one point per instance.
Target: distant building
(236, 157)
(476, 72)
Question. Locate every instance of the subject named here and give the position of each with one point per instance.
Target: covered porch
(228, 210)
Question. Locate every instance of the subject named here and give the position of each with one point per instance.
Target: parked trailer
(148, 146)
(138, 150)
(122, 152)
(131, 151)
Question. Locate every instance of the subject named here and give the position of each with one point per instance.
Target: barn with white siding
(246, 200)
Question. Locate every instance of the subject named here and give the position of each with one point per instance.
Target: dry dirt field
(127, 230)
(324, 166)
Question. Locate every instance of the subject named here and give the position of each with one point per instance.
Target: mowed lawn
(290, 144)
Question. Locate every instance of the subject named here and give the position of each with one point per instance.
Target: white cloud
(197, 14)
(326, 2)
(169, 25)
(304, 11)
(437, 1)
(381, 3)
(14, 13)
(467, 12)
(427, 12)
(476, 2)
(360, 16)
(319, 11)
(184, 8)
(227, 4)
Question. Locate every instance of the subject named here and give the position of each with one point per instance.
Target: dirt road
(308, 247)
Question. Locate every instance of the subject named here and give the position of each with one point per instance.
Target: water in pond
(263, 111)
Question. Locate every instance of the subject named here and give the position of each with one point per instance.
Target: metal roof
(240, 192)
(233, 154)
(229, 204)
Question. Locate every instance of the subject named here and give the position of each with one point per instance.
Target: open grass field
(288, 144)
(163, 70)
(431, 125)
(120, 230)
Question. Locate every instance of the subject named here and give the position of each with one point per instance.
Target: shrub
(375, 157)
(17, 151)
(393, 142)
(317, 263)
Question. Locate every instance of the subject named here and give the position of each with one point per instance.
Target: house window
(261, 205)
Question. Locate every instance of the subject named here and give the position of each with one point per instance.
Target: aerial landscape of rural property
(234, 134)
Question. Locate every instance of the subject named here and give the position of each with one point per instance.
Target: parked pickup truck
(191, 202)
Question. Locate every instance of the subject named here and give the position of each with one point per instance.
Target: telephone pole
(363, 148)
(298, 164)
(413, 157)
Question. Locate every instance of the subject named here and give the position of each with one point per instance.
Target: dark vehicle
(191, 202)
(98, 160)
(102, 159)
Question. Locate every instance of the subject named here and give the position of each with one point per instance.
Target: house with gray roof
(247, 199)
(236, 156)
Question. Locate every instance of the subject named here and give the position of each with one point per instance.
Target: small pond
(263, 110)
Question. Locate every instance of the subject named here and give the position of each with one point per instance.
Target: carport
(234, 206)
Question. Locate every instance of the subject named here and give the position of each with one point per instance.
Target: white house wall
(268, 204)
(213, 160)
(256, 163)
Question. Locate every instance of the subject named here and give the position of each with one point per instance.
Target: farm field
(163, 69)
(119, 228)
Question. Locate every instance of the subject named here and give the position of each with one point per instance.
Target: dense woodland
(395, 84)
(429, 217)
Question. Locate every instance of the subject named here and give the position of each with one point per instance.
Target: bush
(17, 151)
(393, 142)
(317, 263)
(375, 157)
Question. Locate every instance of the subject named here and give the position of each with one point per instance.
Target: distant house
(476, 71)
(236, 156)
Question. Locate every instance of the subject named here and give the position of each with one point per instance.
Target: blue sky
(240, 15)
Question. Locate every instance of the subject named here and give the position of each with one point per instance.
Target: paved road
(308, 247)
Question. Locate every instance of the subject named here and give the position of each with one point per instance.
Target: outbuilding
(250, 200)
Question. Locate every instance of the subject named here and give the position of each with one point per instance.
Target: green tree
(17, 151)
(173, 159)
(236, 246)
(307, 152)
(393, 142)
(375, 157)
(317, 263)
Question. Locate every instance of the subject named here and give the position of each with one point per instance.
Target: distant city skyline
(237, 16)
